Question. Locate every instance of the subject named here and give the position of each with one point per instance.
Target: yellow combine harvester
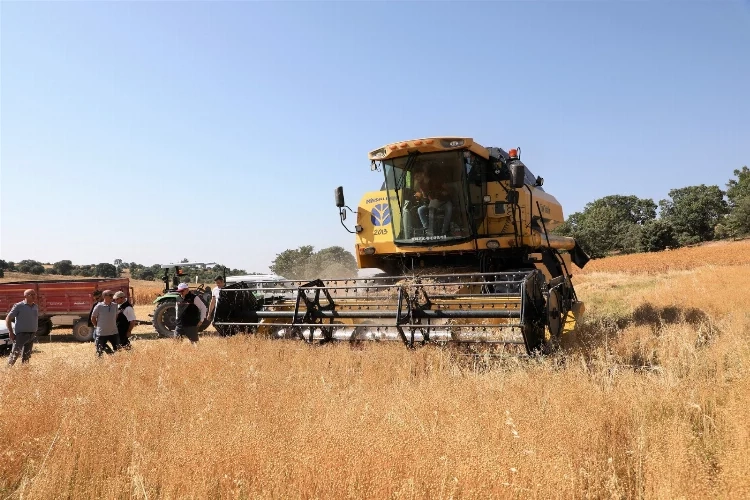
(462, 234)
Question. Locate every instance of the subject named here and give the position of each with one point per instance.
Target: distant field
(650, 399)
(720, 253)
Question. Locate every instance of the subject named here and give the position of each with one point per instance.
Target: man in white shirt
(219, 282)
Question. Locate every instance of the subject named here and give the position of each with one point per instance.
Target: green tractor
(165, 312)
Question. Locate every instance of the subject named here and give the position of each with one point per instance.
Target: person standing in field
(26, 317)
(219, 281)
(125, 319)
(191, 311)
(104, 318)
(97, 296)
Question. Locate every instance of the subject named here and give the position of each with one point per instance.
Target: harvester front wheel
(554, 316)
(165, 317)
(533, 337)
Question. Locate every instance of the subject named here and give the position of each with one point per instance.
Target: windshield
(429, 197)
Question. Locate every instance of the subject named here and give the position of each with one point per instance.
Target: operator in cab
(432, 189)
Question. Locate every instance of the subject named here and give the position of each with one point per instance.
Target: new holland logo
(381, 215)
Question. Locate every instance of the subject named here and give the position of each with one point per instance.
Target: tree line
(300, 263)
(690, 215)
(111, 270)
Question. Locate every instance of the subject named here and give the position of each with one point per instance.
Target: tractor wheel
(44, 327)
(204, 325)
(165, 317)
(82, 332)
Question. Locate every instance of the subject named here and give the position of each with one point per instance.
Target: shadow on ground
(599, 332)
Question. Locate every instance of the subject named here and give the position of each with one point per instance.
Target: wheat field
(649, 399)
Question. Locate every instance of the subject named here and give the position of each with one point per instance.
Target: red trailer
(62, 302)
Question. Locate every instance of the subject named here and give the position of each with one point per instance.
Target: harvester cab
(462, 233)
(165, 313)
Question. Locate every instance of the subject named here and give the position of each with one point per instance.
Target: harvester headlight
(486, 198)
(452, 143)
(369, 251)
(493, 244)
(358, 228)
(377, 154)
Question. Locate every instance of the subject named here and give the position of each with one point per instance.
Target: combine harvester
(462, 234)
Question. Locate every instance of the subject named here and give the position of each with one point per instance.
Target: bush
(30, 267)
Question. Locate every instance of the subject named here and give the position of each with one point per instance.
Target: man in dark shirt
(191, 311)
(125, 319)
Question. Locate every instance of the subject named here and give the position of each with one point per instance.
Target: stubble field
(650, 399)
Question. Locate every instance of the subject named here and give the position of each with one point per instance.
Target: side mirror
(517, 174)
(539, 182)
(339, 194)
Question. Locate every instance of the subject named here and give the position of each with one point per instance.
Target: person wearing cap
(104, 318)
(25, 314)
(191, 311)
(219, 282)
(125, 319)
(97, 296)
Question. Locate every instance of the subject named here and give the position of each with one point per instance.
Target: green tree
(657, 235)
(304, 262)
(332, 262)
(30, 266)
(738, 194)
(740, 188)
(293, 264)
(86, 271)
(610, 224)
(693, 212)
(106, 270)
(146, 274)
(64, 267)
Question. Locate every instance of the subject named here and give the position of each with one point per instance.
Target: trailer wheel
(44, 327)
(82, 332)
(165, 318)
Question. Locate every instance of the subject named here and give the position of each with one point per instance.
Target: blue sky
(218, 131)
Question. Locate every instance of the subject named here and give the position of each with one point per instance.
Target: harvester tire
(554, 315)
(165, 317)
(533, 337)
